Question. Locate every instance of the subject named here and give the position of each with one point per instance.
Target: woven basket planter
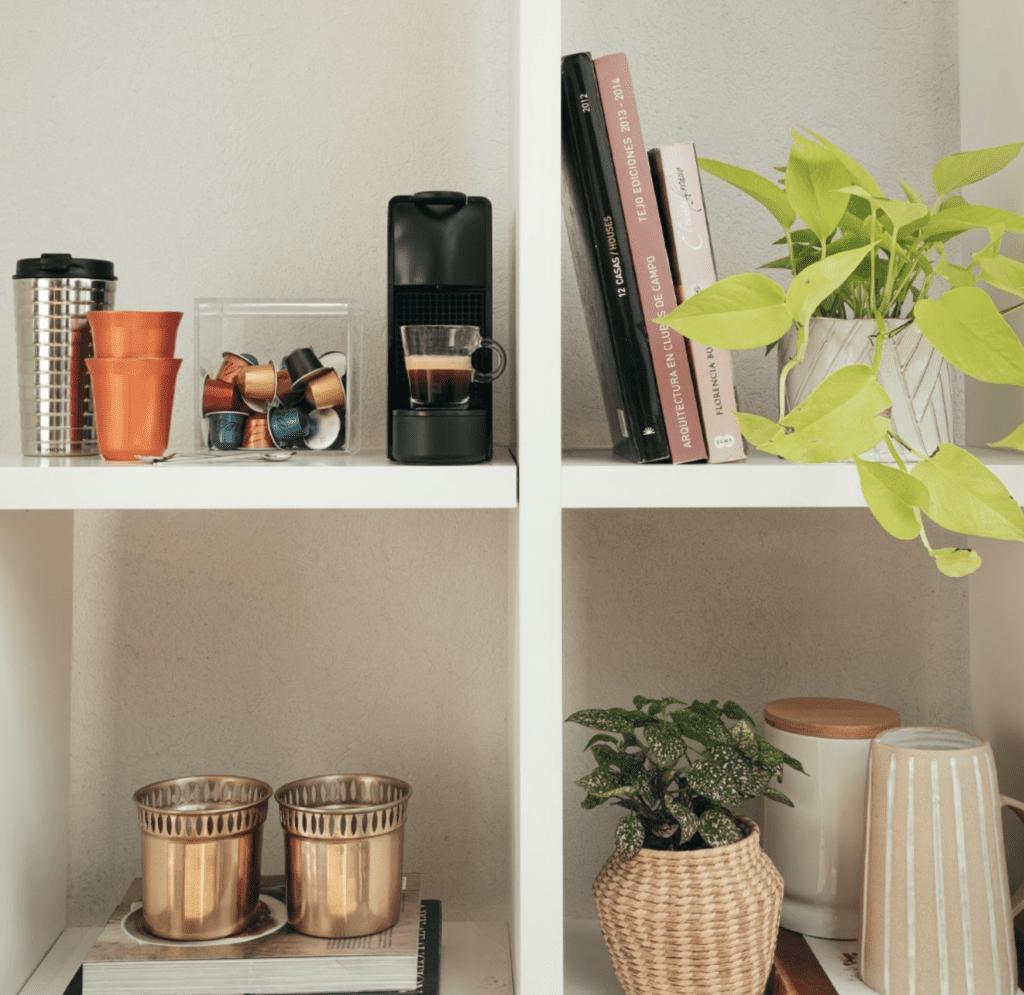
(697, 922)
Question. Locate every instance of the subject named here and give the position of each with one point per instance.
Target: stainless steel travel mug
(53, 296)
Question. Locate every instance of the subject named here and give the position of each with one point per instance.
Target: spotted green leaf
(665, 742)
(956, 562)
(744, 311)
(733, 711)
(892, 495)
(726, 776)
(603, 783)
(967, 329)
(745, 739)
(965, 496)
(718, 828)
(777, 796)
(684, 816)
(629, 836)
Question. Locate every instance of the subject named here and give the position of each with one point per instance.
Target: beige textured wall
(756, 605)
(284, 646)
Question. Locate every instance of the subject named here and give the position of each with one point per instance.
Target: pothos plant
(862, 254)
(676, 769)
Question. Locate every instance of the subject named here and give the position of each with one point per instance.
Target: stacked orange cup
(133, 376)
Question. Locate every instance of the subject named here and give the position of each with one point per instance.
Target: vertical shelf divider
(536, 528)
(36, 550)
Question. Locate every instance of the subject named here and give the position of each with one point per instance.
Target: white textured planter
(915, 376)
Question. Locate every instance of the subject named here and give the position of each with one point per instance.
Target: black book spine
(604, 271)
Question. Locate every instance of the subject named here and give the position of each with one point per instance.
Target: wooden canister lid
(830, 718)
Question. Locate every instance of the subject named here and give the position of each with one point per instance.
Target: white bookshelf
(366, 480)
(539, 953)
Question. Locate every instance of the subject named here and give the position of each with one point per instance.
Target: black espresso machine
(439, 273)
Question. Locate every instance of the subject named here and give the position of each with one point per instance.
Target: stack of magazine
(272, 960)
(640, 244)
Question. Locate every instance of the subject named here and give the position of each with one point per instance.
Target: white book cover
(688, 238)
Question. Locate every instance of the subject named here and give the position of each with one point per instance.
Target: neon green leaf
(813, 178)
(892, 495)
(1003, 274)
(857, 171)
(819, 280)
(1015, 440)
(966, 496)
(953, 221)
(840, 419)
(740, 312)
(763, 191)
(968, 330)
(956, 562)
(964, 168)
(757, 430)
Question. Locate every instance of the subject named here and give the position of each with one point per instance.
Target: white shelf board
(366, 480)
(596, 479)
(475, 960)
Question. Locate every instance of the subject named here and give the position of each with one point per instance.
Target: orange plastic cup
(134, 334)
(133, 399)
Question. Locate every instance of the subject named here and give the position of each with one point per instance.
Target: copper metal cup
(343, 837)
(201, 843)
(325, 391)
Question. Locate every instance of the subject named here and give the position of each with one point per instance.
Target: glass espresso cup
(439, 362)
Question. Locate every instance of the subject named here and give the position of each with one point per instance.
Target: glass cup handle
(499, 351)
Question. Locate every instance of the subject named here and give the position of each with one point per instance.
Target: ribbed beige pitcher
(937, 918)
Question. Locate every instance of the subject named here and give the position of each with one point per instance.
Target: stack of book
(640, 243)
(404, 958)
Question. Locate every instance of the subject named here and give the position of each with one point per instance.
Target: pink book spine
(688, 238)
(650, 258)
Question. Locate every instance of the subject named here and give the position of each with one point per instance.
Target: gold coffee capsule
(326, 391)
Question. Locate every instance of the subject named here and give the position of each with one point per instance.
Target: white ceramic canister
(818, 845)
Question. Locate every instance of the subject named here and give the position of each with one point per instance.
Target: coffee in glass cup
(439, 363)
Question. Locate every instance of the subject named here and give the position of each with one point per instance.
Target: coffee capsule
(257, 385)
(327, 429)
(325, 391)
(301, 365)
(233, 363)
(218, 395)
(226, 429)
(257, 434)
(337, 360)
(287, 427)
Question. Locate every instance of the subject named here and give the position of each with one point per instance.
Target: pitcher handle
(1017, 898)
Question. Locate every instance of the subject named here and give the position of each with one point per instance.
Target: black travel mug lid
(55, 265)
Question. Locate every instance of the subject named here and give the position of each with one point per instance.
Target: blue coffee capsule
(226, 428)
(288, 426)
